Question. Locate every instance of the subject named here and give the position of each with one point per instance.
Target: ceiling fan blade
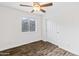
(25, 5)
(46, 5)
(32, 11)
(42, 10)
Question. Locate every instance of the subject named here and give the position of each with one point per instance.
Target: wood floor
(39, 48)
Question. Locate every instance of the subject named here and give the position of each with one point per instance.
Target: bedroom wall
(61, 25)
(11, 34)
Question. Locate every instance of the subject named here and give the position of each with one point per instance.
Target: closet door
(52, 31)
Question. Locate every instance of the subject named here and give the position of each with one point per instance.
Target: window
(28, 24)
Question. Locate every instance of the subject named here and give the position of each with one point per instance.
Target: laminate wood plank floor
(38, 48)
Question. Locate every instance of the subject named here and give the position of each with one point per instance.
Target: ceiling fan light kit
(36, 7)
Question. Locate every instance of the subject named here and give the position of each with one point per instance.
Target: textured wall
(62, 20)
(11, 34)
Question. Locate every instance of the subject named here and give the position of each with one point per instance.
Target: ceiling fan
(37, 7)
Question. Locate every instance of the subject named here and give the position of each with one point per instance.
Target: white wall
(62, 22)
(11, 34)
